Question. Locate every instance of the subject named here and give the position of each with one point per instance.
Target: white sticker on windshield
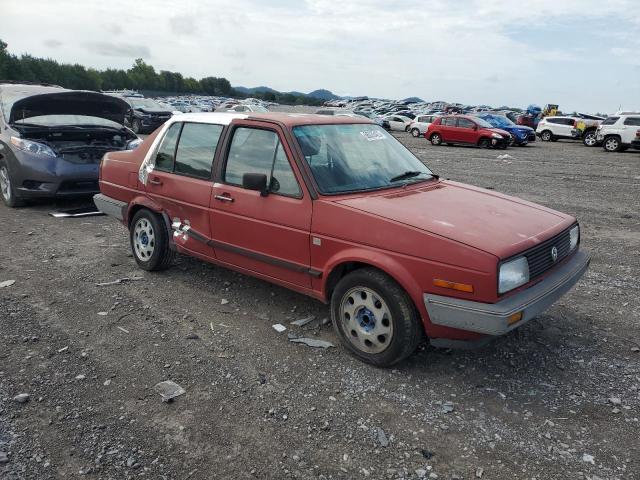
(373, 135)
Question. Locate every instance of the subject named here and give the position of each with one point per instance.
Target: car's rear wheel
(6, 188)
(150, 241)
(136, 126)
(484, 142)
(415, 132)
(374, 318)
(546, 136)
(436, 139)
(612, 144)
(590, 139)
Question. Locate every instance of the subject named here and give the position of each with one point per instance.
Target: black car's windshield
(145, 103)
(498, 121)
(356, 157)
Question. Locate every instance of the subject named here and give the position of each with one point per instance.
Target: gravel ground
(556, 399)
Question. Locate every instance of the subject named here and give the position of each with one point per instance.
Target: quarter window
(196, 149)
(260, 151)
(167, 150)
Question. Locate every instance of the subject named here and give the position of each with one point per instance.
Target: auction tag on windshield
(373, 135)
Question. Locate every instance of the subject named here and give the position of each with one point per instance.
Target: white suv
(551, 129)
(617, 133)
(420, 124)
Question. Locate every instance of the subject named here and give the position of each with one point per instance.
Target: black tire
(484, 142)
(406, 327)
(546, 136)
(7, 192)
(415, 132)
(612, 143)
(161, 256)
(136, 126)
(436, 139)
(406, 129)
(589, 138)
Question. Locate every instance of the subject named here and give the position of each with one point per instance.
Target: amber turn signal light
(515, 318)
(462, 287)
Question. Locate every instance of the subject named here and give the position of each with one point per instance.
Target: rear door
(629, 128)
(181, 181)
(448, 129)
(267, 234)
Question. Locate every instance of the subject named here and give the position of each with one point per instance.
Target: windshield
(499, 121)
(145, 103)
(58, 120)
(356, 157)
(482, 123)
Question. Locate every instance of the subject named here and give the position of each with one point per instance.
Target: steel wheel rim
(611, 144)
(436, 139)
(415, 132)
(5, 183)
(366, 320)
(144, 240)
(590, 140)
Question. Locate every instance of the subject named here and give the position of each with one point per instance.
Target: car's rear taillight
(575, 123)
(638, 134)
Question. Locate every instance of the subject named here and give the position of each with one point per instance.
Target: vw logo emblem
(554, 253)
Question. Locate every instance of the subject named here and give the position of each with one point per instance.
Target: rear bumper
(493, 319)
(635, 144)
(110, 206)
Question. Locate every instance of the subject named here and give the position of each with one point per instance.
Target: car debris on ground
(169, 390)
(311, 342)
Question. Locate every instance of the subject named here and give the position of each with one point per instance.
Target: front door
(466, 131)
(267, 232)
(181, 182)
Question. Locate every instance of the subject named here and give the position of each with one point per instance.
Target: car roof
(287, 119)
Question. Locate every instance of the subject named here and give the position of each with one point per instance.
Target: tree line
(141, 76)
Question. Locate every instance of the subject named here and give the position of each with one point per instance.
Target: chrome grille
(540, 258)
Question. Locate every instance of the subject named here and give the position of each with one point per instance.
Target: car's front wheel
(590, 139)
(374, 318)
(415, 132)
(436, 139)
(6, 188)
(150, 241)
(612, 144)
(546, 136)
(484, 142)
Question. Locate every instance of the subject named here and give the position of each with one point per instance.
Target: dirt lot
(557, 399)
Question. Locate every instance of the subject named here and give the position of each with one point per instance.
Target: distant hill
(321, 94)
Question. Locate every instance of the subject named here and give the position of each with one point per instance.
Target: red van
(337, 209)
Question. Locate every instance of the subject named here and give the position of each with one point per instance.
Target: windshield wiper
(410, 174)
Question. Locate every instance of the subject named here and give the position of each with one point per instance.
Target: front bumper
(493, 318)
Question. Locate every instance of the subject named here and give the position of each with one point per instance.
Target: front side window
(357, 157)
(167, 149)
(196, 149)
(260, 151)
(464, 123)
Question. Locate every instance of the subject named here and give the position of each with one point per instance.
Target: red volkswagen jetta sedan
(338, 209)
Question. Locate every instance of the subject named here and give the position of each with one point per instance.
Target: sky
(581, 54)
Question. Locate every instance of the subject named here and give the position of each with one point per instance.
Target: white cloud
(467, 51)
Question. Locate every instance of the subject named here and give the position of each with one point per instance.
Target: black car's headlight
(32, 147)
(513, 274)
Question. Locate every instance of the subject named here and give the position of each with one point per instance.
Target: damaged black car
(52, 140)
(145, 114)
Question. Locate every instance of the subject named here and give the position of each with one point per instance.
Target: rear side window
(448, 122)
(167, 149)
(196, 149)
(633, 121)
(610, 120)
(260, 151)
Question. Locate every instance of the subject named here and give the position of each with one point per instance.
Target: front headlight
(496, 135)
(513, 274)
(32, 147)
(574, 237)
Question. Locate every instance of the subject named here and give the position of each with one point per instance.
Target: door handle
(224, 198)
(155, 181)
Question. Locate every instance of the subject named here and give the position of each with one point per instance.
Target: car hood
(486, 220)
(70, 102)
(157, 111)
(499, 130)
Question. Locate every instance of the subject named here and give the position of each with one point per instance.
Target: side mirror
(255, 181)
